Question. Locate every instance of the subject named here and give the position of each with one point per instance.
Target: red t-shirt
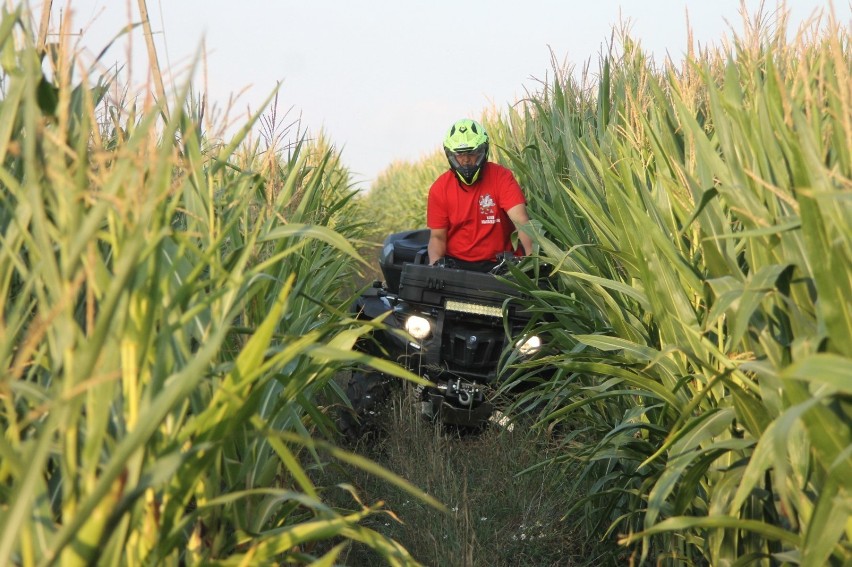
(478, 227)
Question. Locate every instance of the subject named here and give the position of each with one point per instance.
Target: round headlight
(528, 346)
(418, 327)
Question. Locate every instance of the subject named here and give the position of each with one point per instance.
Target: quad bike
(448, 325)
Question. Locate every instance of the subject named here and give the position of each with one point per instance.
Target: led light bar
(473, 308)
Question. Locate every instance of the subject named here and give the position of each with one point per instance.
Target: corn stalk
(163, 341)
(702, 214)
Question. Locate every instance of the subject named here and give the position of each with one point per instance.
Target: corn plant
(169, 310)
(702, 216)
(396, 200)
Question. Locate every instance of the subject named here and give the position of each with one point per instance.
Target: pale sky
(384, 80)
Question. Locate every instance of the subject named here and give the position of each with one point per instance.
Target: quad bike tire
(367, 392)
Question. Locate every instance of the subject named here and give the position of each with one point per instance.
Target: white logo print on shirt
(487, 210)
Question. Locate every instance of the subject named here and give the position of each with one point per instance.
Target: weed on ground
(496, 515)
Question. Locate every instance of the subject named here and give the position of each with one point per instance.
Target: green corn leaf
(829, 522)
(773, 533)
(823, 369)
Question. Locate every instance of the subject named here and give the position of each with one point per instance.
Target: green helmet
(466, 138)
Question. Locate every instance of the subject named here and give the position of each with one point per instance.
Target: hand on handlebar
(444, 262)
(503, 261)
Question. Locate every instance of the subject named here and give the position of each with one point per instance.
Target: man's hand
(504, 259)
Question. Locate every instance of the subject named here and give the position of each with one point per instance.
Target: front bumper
(459, 403)
(453, 415)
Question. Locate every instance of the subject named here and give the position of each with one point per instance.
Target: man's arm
(519, 216)
(437, 244)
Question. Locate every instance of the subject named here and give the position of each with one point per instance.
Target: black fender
(372, 304)
(387, 343)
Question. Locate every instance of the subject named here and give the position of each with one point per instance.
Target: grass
(497, 514)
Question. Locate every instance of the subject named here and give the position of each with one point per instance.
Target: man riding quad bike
(449, 326)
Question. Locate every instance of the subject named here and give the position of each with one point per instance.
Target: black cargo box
(433, 285)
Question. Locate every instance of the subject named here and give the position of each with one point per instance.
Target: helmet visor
(470, 160)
